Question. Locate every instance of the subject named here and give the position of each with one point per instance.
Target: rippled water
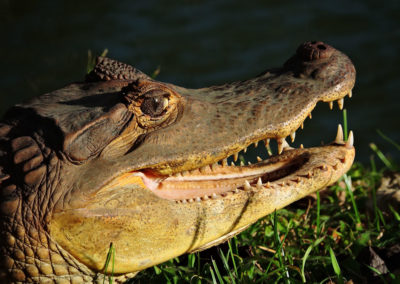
(199, 43)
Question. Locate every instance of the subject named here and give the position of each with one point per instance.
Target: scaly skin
(125, 159)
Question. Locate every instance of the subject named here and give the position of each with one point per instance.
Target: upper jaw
(217, 122)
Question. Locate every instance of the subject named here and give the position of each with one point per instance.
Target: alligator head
(125, 159)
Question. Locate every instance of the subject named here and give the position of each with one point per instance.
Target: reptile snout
(314, 50)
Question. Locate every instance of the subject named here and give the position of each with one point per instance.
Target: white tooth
(255, 144)
(235, 156)
(350, 140)
(301, 146)
(259, 159)
(247, 185)
(350, 93)
(214, 196)
(339, 135)
(285, 145)
(205, 197)
(184, 201)
(225, 162)
(266, 141)
(249, 163)
(302, 125)
(245, 150)
(198, 199)
(293, 136)
(232, 164)
(259, 183)
(236, 190)
(241, 163)
(331, 105)
(340, 103)
(309, 115)
(280, 142)
(190, 200)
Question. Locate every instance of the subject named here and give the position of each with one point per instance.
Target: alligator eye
(154, 103)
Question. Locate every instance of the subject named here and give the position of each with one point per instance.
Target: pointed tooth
(350, 93)
(339, 134)
(309, 115)
(350, 140)
(245, 150)
(247, 185)
(232, 164)
(225, 162)
(235, 156)
(205, 197)
(301, 146)
(214, 196)
(259, 183)
(236, 190)
(340, 103)
(266, 142)
(267, 185)
(190, 200)
(330, 105)
(302, 125)
(241, 163)
(184, 201)
(259, 159)
(280, 142)
(292, 136)
(286, 146)
(255, 144)
(198, 199)
(249, 163)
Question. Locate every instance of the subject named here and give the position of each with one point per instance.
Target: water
(199, 43)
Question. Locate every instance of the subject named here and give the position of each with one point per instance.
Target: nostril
(314, 50)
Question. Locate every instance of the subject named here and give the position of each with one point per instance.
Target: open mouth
(230, 175)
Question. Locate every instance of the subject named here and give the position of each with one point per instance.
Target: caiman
(124, 159)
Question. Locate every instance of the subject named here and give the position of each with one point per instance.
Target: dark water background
(44, 46)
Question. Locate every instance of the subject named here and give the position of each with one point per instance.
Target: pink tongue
(150, 181)
(170, 188)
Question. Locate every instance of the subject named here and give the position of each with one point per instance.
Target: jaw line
(215, 181)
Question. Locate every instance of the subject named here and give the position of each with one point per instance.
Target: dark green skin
(59, 149)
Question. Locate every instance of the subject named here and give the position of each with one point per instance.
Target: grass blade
(336, 266)
(221, 281)
(381, 156)
(307, 253)
(391, 141)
